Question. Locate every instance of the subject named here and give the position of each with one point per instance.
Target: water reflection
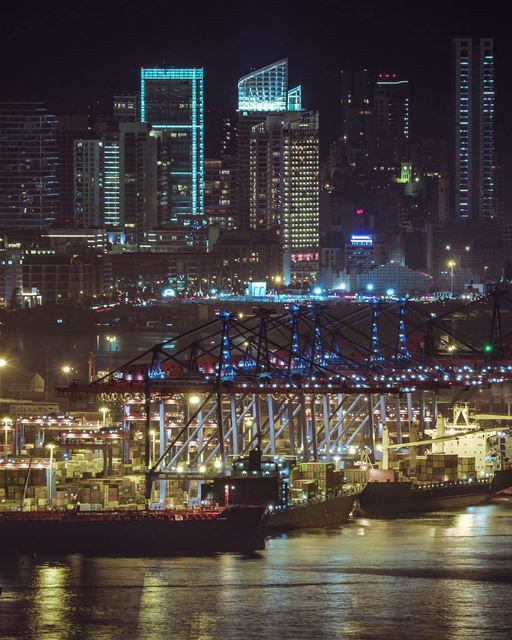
(444, 576)
(51, 602)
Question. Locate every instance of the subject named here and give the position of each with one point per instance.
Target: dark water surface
(446, 575)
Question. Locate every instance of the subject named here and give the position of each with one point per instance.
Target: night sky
(71, 54)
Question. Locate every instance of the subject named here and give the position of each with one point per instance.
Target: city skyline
(255, 320)
(167, 167)
(416, 46)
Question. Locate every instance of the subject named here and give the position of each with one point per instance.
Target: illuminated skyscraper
(89, 183)
(172, 102)
(28, 166)
(265, 89)
(260, 92)
(111, 182)
(474, 128)
(284, 188)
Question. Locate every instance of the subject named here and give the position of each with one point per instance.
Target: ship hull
(383, 499)
(311, 515)
(95, 535)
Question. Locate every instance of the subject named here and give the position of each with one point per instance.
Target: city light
(369, 286)
(104, 411)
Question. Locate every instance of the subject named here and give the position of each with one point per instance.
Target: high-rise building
(172, 102)
(217, 194)
(503, 187)
(474, 94)
(359, 253)
(260, 92)
(356, 107)
(28, 166)
(391, 120)
(138, 178)
(111, 182)
(284, 188)
(69, 129)
(89, 183)
(278, 178)
(265, 89)
(228, 142)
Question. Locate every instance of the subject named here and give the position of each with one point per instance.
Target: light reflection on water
(442, 576)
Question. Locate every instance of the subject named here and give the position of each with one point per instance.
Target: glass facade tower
(474, 128)
(260, 93)
(28, 166)
(172, 102)
(89, 183)
(265, 89)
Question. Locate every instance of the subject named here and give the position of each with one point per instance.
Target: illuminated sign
(361, 239)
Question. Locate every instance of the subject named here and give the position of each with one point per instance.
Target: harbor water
(440, 576)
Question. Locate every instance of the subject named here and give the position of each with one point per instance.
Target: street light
(51, 447)
(194, 400)
(66, 369)
(451, 264)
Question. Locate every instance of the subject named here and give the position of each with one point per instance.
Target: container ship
(235, 528)
(391, 498)
(459, 471)
(296, 495)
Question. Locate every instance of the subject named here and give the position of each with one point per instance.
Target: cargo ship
(296, 495)
(384, 499)
(235, 528)
(328, 511)
(459, 471)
